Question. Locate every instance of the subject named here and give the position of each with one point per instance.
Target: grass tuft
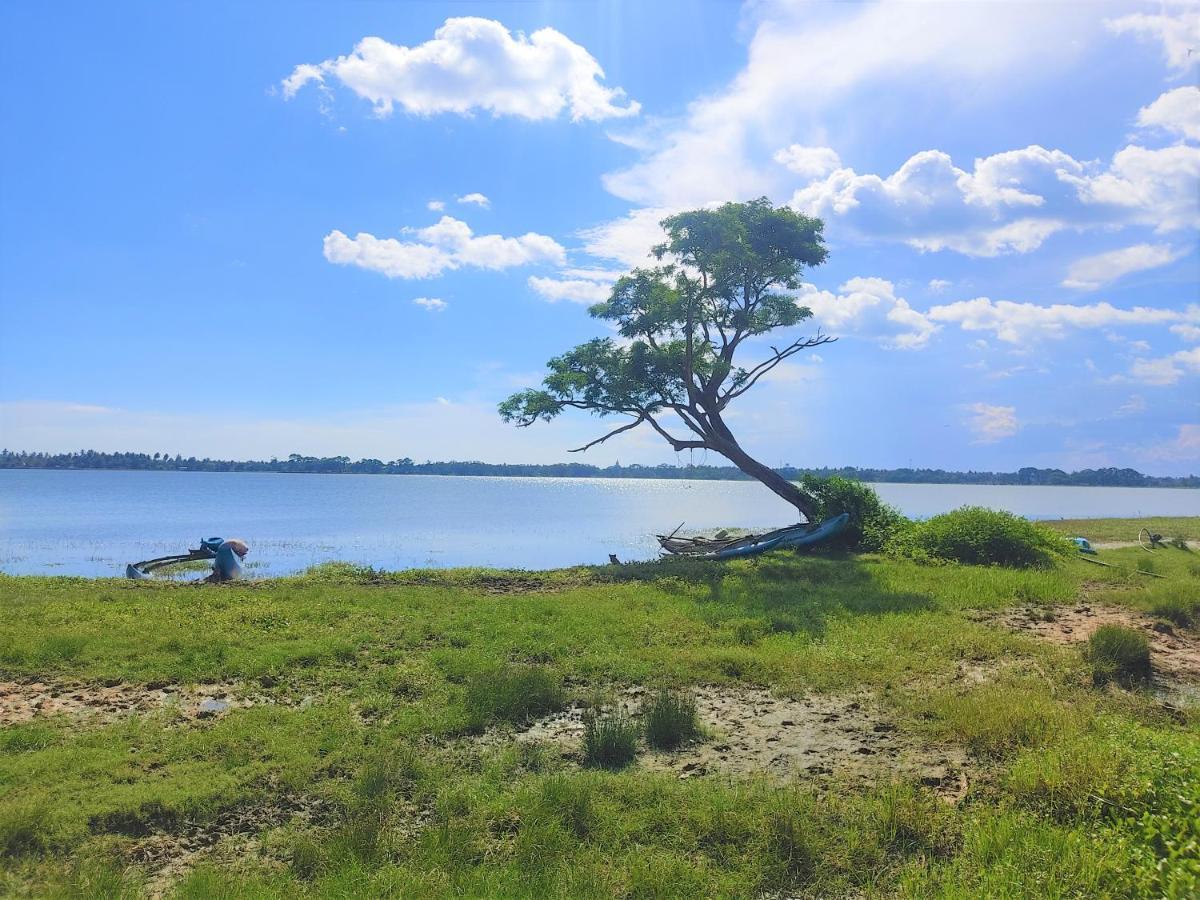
(1118, 654)
(670, 719)
(514, 694)
(610, 739)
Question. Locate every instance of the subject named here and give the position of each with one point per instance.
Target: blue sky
(218, 220)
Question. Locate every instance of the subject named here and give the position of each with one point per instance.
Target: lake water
(93, 522)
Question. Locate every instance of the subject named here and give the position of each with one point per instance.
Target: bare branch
(638, 420)
(754, 374)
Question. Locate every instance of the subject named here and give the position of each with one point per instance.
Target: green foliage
(513, 694)
(610, 739)
(983, 537)
(670, 719)
(1118, 654)
(873, 523)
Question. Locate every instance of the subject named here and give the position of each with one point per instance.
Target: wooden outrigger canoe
(719, 547)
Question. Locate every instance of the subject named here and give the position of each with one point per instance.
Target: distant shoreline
(341, 465)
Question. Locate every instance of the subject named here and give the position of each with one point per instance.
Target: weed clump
(513, 694)
(610, 739)
(670, 719)
(1118, 654)
(1177, 610)
(984, 537)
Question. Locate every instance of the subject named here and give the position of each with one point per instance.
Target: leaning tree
(722, 280)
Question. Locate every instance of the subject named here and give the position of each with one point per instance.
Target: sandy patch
(751, 731)
(24, 701)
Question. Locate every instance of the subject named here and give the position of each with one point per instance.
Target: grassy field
(352, 733)
(1186, 527)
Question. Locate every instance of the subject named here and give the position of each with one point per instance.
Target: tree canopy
(724, 276)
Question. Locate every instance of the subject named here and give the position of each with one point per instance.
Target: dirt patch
(1174, 652)
(751, 731)
(24, 701)
(232, 835)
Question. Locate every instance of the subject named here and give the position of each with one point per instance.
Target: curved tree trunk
(730, 449)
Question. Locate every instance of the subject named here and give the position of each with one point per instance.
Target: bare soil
(24, 701)
(751, 731)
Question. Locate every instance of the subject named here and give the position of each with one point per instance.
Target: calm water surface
(93, 522)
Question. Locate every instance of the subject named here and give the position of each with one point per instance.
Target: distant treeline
(343, 465)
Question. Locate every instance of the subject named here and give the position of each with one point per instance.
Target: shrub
(872, 522)
(609, 739)
(1118, 654)
(513, 694)
(984, 537)
(670, 719)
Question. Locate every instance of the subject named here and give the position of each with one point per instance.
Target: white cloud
(1177, 111)
(805, 58)
(449, 244)
(1092, 272)
(431, 304)
(628, 239)
(1187, 332)
(1009, 202)
(808, 162)
(475, 198)
(938, 285)
(1166, 370)
(870, 308)
(574, 289)
(474, 64)
(435, 205)
(992, 423)
(1022, 323)
(1179, 34)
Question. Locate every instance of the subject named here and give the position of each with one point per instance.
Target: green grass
(669, 719)
(610, 739)
(361, 769)
(1118, 654)
(1103, 530)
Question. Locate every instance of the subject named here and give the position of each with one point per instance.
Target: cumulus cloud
(808, 162)
(475, 198)
(1092, 272)
(473, 64)
(435, 205)
(627, 240)
(1009, 202)
(938, 285)
(1177, 111)
(869, 307)
(449, 244)
(1179, 34)
(991, 423)
(1021, 323)
(431, 304)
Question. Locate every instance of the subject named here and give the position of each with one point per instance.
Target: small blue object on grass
(1083, 545)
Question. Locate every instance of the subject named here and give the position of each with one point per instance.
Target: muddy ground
(751, 731)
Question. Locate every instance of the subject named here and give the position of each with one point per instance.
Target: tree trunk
(768, 476)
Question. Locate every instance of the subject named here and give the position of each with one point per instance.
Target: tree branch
(638, 420)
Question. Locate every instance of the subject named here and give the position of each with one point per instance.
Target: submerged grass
(355, 772)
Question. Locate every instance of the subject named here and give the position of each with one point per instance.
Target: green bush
(513, 694)
(609, 739)
(1118, 654)
(872, 522)
(670, 719)
(984, 537)
(1177, 610)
